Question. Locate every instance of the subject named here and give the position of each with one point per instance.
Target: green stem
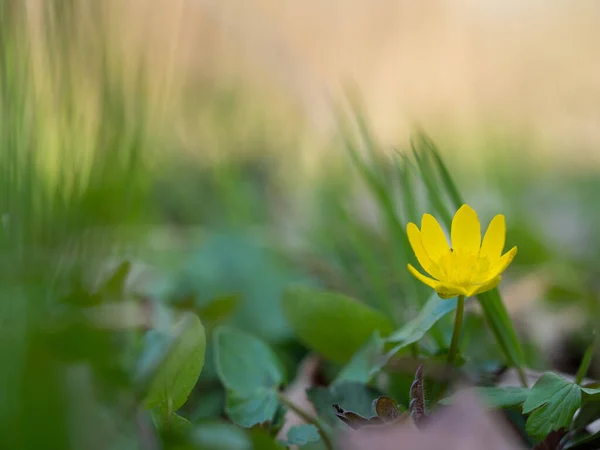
(585, 362)
(522, 377)
(307, 418)
(458, 320)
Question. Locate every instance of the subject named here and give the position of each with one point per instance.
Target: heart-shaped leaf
(250, 372)
(332, 324)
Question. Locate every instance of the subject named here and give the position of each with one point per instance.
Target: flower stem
(460, 309)
(307, 418)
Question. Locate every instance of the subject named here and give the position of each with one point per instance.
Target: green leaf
(114, 287)
(497, 397)
(250, 372)
(365, 363)
(413, 331)
(262, 440)
(332, 324)
(355, 397)
(173, 423)
(176, 376)
(220, 436)
(302, 435)
(218, 309)
(590, 391)
(372, 357)
(245, 363)
(551, 404)
(251, 409)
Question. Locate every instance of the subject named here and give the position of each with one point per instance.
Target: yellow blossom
(471, 266)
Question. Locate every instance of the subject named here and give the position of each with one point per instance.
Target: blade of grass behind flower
(491, 302)
(382, 188)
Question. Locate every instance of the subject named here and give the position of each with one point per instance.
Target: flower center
(464, 268)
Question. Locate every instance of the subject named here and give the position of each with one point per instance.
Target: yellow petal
(422, 278)
(433, 238)
(480, 289)
(414, 237)
(493, 241)
(504, 262)
(466, 230)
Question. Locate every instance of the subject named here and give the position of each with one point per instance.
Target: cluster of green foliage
(199, 357)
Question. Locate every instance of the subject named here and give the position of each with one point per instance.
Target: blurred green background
(162, 135)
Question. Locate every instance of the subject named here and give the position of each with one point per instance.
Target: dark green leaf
(551, 403)
(261, 440)
(177, 374)
(586, 442)
(365, 363)
(218, 309)
(589, 412)
(332, 324)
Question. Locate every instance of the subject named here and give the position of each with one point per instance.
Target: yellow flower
(470, 267)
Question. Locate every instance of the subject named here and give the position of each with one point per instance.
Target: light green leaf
(413, 331)
(302, 435)
(365, 363)
(551, 404)
(250, 372)
(176, 376)
(332, 324)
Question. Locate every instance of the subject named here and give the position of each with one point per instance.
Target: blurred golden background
(462, 69)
